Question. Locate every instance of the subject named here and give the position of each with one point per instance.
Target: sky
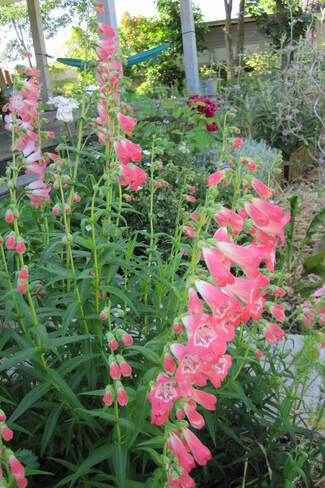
(212, 10)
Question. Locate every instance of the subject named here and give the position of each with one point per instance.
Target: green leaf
(24, 355)
(97, 456)
(28, 400)
(147, 353)
(50, 425)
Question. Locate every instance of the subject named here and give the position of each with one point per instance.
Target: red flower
(216, 177)
(273, 333)
(127, 123)
(134, 177)
(100, 8)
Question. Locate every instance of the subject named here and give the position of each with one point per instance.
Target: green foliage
(140, 34)
(277, 106)
(282, 21)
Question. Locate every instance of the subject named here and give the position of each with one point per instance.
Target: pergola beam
(35, 18)
(189, 47)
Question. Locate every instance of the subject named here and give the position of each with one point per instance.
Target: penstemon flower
(220, 300)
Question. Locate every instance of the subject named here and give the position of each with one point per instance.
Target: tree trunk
(228, 40)
(240, 34)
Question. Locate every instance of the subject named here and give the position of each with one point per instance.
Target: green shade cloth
(132, 60)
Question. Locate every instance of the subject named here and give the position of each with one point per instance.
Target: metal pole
(189, 47)
(109, 18)
(34, 13)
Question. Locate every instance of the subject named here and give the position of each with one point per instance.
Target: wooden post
(34, 13)
(109, 17)
(189, 47)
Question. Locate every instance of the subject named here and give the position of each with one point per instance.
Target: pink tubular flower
(103, 315)
(195, 306)
(216, 177)
(177, 328)
(100, 8)
(122, 154)
(169, 363)
(259, 354)
(228, 217)
(200, 452)
(22, 482)
(113, 344)
(278, 312)
(11, 242)
(248, 258)
(17, 469)
(177, 447)
(134, 177)
(195, 217)
(162, 397)
(108, 397)
(9, 216)
(278, 292)
(127, 339)
(127, 123)
(114, 371)
(122, 397)
(220, 274)
(134, 151)
(20, 246)
(238, 142)
(3, 416)
(252, 166)
(273, 333)
(6, 433)
(263, 190)
(189, 231)
(190, 198)
(191, 189)
(126, 369)
(195, 418)
(184, 481)
(22, 288)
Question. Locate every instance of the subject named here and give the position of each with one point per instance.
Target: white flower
(57, 101)
(65, 107)
(64, 113)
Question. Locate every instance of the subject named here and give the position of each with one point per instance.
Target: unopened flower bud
(122, 397)
(23, 274)
(6, 433)
(22, 288)
(20, 246)
(108, 396)
(77, 197)
(125, 368)
(127, 339)
(112, 342)
(177, 328)
(114, 371)
(104, 314)
(9, 217)
(11, 241)
(169, 363)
